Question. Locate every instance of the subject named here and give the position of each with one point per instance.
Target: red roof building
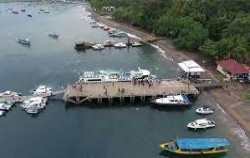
(232, 68)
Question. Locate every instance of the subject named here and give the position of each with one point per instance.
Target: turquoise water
(93, 131)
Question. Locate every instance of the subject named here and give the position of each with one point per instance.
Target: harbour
(130, 129)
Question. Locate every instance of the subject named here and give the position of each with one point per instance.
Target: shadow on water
(169, 108)
(172, 155)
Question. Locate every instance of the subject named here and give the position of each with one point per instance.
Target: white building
(191, 69)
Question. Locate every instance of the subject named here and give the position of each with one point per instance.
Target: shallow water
(128, 130)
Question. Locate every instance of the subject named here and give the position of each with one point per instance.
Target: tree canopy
(218, 28)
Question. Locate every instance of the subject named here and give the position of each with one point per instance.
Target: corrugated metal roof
(190, 66)
(233, 66)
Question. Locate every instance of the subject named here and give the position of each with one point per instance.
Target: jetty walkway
(130, 91)
(20, 99)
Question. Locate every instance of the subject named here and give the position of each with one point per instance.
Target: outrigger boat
(204, 110)
(172, 100)
(98, 47)
(197, 146)
(201, 124)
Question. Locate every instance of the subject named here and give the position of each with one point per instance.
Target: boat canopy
(201, 143)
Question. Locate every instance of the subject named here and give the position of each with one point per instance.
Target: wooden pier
(129, 91)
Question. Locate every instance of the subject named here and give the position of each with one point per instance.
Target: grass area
(248, 96)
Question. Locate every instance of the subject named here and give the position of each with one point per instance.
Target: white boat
(173, 100)
(94, 24)
(101, 25)
(120, 45)
(136, 44)
(5, 106)
(32, 109)
(201, 124)
(53, 35)
(39, 102)
(25, 41)
(108, 43)
(204, 110)
(114, 76)
(98, 47)
(113, 30)
(43, 90)
(2, 112)
(10, 94)
(118, 34)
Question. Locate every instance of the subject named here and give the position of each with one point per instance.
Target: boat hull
(179, 152)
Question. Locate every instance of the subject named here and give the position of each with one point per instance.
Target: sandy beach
(230, 97)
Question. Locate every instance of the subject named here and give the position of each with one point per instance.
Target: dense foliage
(218, 28)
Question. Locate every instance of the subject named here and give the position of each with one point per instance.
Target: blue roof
(201, 143)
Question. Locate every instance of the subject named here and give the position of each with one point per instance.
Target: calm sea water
(93, 131)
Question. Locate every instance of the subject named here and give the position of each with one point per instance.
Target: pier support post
(99, 100)
(143, 98)
(110, 100)
(78, 100)
(121, 99)
(132, 99)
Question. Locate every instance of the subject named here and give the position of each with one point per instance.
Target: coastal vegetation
(217, 28)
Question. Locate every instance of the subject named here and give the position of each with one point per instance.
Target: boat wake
(160, 50)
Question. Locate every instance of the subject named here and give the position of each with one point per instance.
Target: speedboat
(136, 44)
(53, 35)
(32, 109)
(172, 100)
(98, 47)
(5, 106)
(196, 146)
(43, 90)
(2, 112)
(120, 45)
(204, 110)
(201, 124)
(39, 102)
(25, 41)
(10, 94)
(118, 34)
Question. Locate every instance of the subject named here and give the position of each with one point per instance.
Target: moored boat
(197, 146)
(98, 47)
(118, 34)
(53, 35)
(5, 106)
(43, 90)
(136, 44)
(172, 100)
(120, 45)
(204, 110)
(25, 41)
(108, 43)
(201, 124)
(2, 112)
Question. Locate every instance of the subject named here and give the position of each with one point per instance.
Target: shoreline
(220, 95)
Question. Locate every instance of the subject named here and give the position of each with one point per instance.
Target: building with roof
(191, 69)
(232, 69)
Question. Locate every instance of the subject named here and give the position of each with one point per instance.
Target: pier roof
(191, 66)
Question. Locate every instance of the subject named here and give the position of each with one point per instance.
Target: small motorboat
(98, 47)
(24, 41)
(113, 30)
(101, 25)
(2, 112)
(29, 15)
(201, 124)
(172, 100)
(120, 45)
(53, 35)
(22, 10)
(118, 34)
(204, 110)
(94, 24)
(10, 94)
(46, 12)
(43, 90)
(5, 106)
(32, 109)
(14, 12)
(136, 44)
(108, 43)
